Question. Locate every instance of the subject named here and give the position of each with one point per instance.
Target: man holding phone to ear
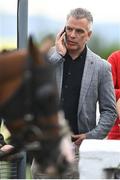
(83, 79)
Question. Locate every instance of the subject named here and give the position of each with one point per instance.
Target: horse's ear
(31, 44)
(34, 51)
(32, 48)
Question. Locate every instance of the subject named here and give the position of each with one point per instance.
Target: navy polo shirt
(71, 85)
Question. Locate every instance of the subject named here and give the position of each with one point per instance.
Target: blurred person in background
(46, 43)
(114, 60)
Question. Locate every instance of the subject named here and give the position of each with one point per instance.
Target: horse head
(30, 107)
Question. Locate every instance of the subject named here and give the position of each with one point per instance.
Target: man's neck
(74, 54)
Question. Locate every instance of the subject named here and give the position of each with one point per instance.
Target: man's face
(77, 33)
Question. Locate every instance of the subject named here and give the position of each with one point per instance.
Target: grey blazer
(97, 86)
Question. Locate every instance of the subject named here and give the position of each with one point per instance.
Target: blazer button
(66, 86)
(62, 99)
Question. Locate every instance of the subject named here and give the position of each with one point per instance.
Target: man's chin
(71, 48)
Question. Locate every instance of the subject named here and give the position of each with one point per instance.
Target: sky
(102, 10)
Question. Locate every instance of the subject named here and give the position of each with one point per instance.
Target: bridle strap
(29, 85)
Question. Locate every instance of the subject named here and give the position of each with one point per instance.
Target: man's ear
(89, 35)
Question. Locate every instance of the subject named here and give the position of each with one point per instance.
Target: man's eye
(69, 29)
(79, 31)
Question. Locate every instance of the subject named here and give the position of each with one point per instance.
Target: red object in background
(114, 60)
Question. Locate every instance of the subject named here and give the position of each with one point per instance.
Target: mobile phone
(64, 30)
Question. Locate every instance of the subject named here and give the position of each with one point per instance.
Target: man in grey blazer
(83, 79)
(93, 76)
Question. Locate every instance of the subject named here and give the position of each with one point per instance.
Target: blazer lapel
(87, 76)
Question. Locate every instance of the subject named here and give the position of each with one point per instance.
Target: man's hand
(60, 43)
(118, 107)
(7, 148)
(78, 138)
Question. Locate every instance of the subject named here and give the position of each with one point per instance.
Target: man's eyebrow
(79, 29)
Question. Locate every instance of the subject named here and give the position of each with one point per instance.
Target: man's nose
(73, 33)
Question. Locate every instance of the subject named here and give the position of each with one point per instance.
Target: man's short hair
(80, 13)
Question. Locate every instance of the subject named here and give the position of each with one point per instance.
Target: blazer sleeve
(53, 57)
(114, 60)
(107, 104)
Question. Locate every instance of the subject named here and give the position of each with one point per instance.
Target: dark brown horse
(29, 105)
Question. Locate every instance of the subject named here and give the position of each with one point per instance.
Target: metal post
(22, 23)
(22, 33)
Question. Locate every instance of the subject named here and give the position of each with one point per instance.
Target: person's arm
(113, 59)
(53, 57)
(118, 107)
(56, 54)
(107, 104)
